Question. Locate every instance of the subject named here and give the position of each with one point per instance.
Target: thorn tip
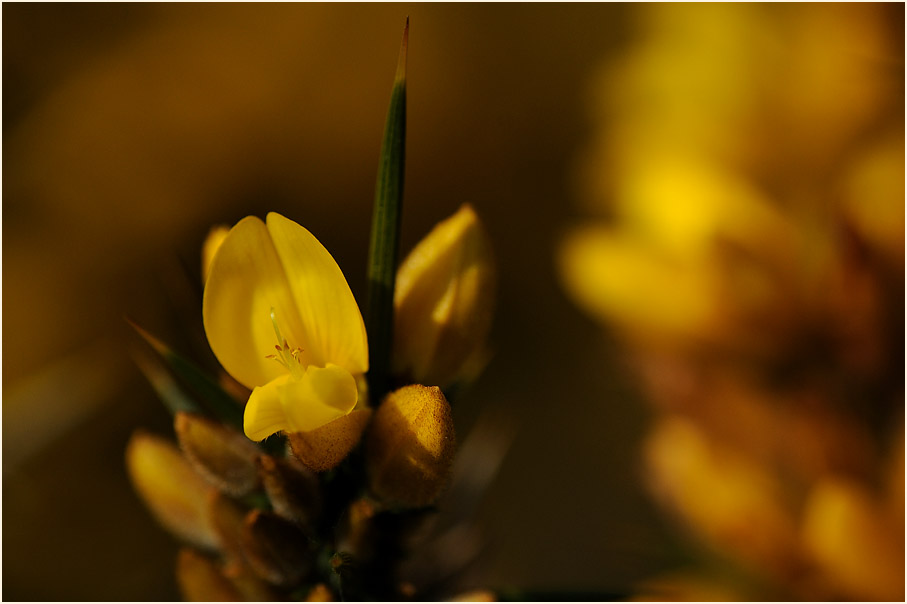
(401, 61)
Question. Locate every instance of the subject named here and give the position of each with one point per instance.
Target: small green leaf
(222, 405)
(384, 248)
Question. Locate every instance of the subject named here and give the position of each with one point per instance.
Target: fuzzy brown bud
(223, 456)
(227, 519)
(276, 549)
(411, 446)
(292, 489)
(323, 448)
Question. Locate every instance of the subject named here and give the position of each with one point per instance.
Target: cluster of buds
(331, 511)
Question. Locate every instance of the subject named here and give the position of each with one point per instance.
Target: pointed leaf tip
(161, 348)
(401, 61)
(222, 404)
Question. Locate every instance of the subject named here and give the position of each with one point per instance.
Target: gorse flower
(281, 319)
(268, 522)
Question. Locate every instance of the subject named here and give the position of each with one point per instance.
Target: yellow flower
(272, 287)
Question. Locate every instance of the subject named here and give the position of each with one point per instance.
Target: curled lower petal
(264, 412)
(320, 397)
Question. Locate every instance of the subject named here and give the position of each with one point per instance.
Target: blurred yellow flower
(747, 180)
(174, 492)
(273, 287)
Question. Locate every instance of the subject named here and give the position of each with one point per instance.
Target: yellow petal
(319, 397)
(332, 325)
(246, 281)
(264, 413)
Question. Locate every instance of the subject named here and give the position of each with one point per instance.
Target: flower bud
(227, 519)
(292, 489)
(223, 456)
(356, 535)
(276, 549)
(443, 301)
(411, 446)
(323, 448)
(176, 495)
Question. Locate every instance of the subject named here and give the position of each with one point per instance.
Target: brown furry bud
(411, 446)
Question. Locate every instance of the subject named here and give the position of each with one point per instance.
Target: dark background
(130, 129)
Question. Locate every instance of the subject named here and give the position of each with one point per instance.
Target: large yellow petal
(246, 280)
(333, 330)
(321, 396)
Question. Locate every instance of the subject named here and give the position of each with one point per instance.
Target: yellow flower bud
(172, 490)
(443, 301)
(411, 446)
(323, 448)
(215, 237)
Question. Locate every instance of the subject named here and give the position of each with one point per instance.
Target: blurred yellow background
(130, 129)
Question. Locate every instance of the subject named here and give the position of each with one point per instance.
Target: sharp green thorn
(384, 247)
